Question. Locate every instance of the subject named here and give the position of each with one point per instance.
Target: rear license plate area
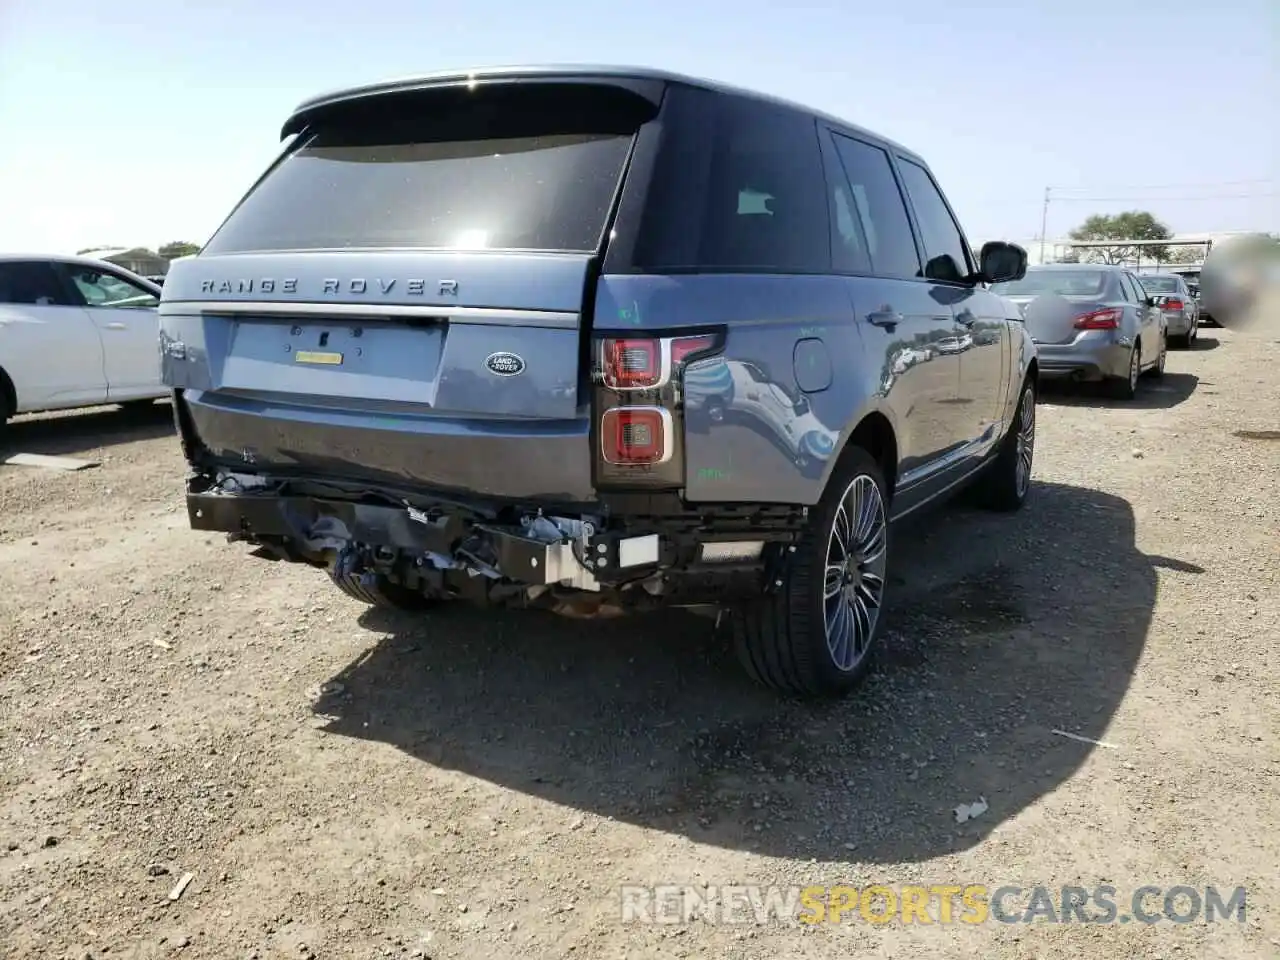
(367, 361)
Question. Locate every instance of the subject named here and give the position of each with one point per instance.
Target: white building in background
(137, 259)
(1054, 250)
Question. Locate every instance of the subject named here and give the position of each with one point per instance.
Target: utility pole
(1044, 223)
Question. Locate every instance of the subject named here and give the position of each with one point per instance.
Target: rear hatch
(402, 295)
(1050, 319)
(1050, 300)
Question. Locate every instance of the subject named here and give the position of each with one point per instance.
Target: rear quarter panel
(764, 421)
(1021, 356)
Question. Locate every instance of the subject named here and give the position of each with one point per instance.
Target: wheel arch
(8, 395)
(873, 432)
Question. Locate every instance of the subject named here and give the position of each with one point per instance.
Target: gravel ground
(346, 783)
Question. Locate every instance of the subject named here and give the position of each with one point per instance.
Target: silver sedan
(1181, 310)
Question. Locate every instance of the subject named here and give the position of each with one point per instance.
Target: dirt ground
(346, 783)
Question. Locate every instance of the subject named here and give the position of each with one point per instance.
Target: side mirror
(1001, 262)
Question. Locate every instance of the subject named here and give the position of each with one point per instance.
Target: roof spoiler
(306, 113)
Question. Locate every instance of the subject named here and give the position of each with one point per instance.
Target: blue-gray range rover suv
(600, 340)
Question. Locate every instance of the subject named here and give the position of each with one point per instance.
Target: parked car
(75, 332)
(1091, 323)
(1181, 310)
(370, 360)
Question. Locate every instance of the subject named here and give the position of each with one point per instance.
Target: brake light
(636, 435)
(642, 363)
(632, 364)
(1107, 318)
(684, 347)
(1173, 303)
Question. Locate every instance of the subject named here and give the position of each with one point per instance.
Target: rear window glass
(1065, 283)
(736, 184)
(493, 171)
(1160, 284)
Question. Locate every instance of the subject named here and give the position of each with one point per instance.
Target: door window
(946, 253)
(31, 283)
(102, 289)
(848, 252)
(876, 204)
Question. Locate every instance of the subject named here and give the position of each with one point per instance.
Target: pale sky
(143, 122)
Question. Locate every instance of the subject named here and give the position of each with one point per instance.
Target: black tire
(781, 638)
(1157, 371)
(1005, 484)
(1126, 388)
(377, 591)
(7, 405)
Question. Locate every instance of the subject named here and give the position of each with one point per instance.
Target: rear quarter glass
(735, 184)
(494, 169)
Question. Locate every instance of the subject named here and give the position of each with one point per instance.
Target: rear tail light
(1107, 318)
(643, 363)
(636, 435)
(633, 364)
(1173, 303)
(639, 378)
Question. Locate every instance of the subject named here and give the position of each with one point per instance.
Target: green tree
(1130, 225)
(178, 248)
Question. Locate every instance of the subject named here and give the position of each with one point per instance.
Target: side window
(877, 203)
(102, 289)
(947, 256)
(31, 283)
(848, 252)
(1137, 292)
(735, 185)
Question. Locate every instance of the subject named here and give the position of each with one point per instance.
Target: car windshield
(1066, 283)
(1160, 284)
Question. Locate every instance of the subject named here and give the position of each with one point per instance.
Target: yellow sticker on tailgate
(315, 356)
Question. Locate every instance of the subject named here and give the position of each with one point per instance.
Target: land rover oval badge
(505, 364)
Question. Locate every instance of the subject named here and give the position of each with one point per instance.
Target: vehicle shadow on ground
(1004, 629)
(1203, 343)
(1162, 394)
(72, 433)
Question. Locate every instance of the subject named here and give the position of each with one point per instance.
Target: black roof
(516, 74)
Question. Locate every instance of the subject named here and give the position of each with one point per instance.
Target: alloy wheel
(1026, 441)
(1135, 368)
(853, 584)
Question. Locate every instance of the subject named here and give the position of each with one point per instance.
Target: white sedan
(75, 332)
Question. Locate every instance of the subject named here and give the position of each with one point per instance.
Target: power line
(1215, 196)
(1178, 186)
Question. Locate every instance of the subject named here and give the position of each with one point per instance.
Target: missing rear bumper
(627, 553)
(539, 551)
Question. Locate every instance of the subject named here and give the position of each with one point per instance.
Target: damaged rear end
(383, 361)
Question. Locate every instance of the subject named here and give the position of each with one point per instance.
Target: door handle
(117, 325)
(966, 319)
(885, 318)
